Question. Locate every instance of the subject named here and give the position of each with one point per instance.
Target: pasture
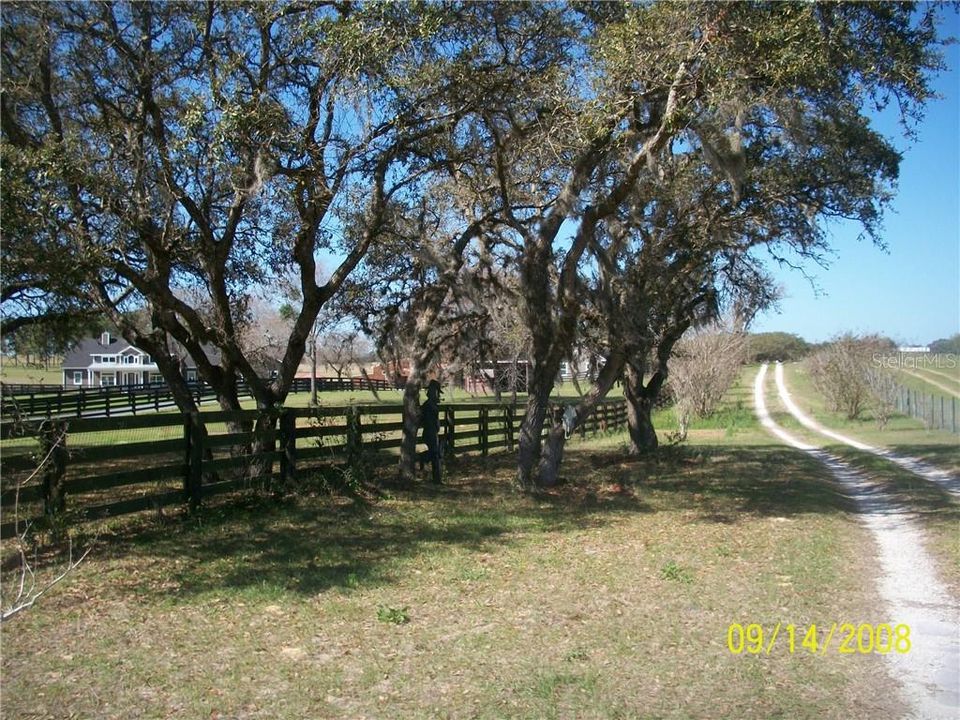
(608, 597)
(33, 374)
(902, 435)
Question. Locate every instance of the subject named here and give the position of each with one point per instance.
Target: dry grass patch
(609, 597)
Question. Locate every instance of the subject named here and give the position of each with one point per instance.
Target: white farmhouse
(108, 360)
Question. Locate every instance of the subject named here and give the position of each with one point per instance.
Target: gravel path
(907, 582)
(944, 479)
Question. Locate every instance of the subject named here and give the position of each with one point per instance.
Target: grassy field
(610, 597)
(22, 374)
(928, 382)
(942, 369)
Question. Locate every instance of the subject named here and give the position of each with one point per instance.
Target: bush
(705, 365)
(847, 373)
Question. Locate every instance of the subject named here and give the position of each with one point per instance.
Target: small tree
(341, 349)
(841, 372)
(705, 365)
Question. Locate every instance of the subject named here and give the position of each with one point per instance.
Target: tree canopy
(620, 171)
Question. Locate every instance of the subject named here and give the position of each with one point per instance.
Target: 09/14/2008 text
(845, 638)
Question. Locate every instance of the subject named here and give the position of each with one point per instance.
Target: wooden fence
(94, 468)
(38, 401)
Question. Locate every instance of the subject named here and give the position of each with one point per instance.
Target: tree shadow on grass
(308, 545)
(941, 455)
(924, 498)
(725, 484)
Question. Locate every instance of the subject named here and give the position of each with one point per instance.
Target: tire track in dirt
(944, 479)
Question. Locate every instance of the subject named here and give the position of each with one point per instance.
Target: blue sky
(911, 292)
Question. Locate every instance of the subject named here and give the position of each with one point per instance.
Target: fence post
(508, 425)
(80, 402)
(106, 399)
(59, 401)
(354, 435)
(287, 427)
(193, 475)
(156, 400)
(54, 442)
(450, 428)
(484, 439)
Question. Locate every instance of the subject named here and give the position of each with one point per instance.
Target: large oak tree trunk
(411, 422)
(548, 472)
(263, 441)
(640, 402)
(531, 431)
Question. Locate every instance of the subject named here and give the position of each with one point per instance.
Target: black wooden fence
(38, 401)
(94, 468)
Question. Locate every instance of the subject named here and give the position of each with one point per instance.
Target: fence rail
(38, 401)
(94, 468)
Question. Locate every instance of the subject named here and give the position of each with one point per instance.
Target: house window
(156, 377)
(129, 359)
(108, 379)
(109, 359)
(191, 375)
(147, 360)
(78, 377)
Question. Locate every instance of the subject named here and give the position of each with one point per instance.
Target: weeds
(392, 615)
(677, 573)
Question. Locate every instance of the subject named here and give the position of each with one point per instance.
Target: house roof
(78, 357)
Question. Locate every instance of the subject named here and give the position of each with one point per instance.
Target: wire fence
(936, 412)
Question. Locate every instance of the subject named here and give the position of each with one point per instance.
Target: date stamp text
(843, 638)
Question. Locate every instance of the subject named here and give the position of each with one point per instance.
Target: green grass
(608, 597)
(22, 374)
(944, 369)
(928, 383)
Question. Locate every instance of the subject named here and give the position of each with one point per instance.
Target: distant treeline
(773, 346)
